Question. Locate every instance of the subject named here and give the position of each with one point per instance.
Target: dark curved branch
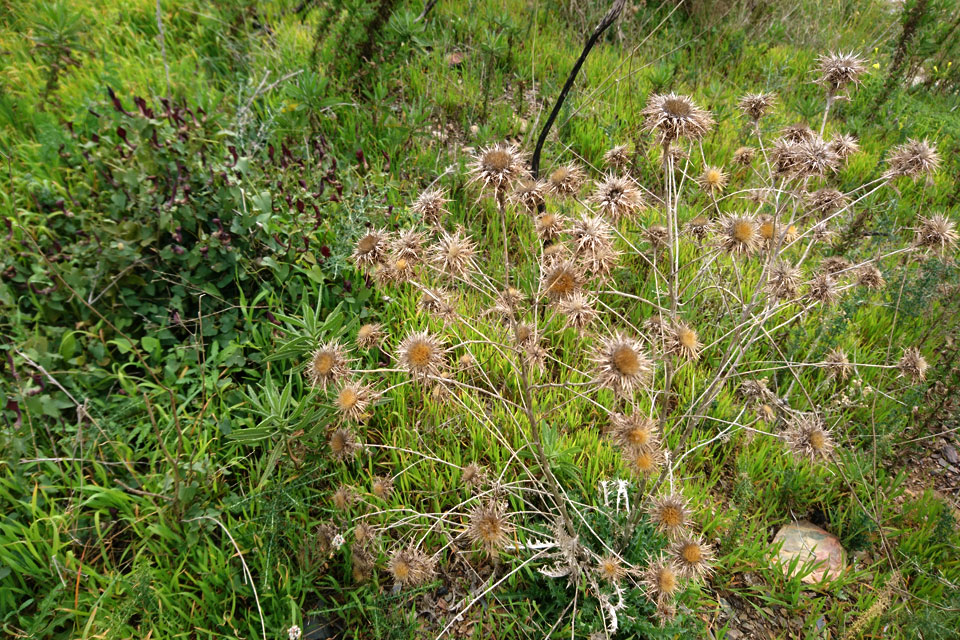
(608, 20)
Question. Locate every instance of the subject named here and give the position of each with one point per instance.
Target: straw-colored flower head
(644, 462)
(618, 157)
(814, 158)
(528, 194)
(693, 557)
(578, 310)
(823, 289)
(672, 117)
(837, 364)
(473, 475)
(657, 235)
(683, 341)
(783, 280)
(361, 565)
(913, 365)
(617, 198)
(327, 364)
(609, 568)
(622, 364)
(381, 487)
(739, 234)
(913, 158)
(835, 265)
(489, 526)
(566, 181)
(756, 391)
(807, 437)
(712, 180)
(344, 497)
(600, 262)
(454, 253)
(554, 253)
(395, 270)
(438, 303)
(870, 276)
(561, 281)
(430, 205)
(826, 201)
(743, 156)
(549, 226)
(370, 335)
(410, 567)
(666, 613)
(343, 444)
(634, 432)
(821, 232)
(669, 514)
(408, 244)
(844, 145)
(756, 105)
(364, 534)
(773, 233)
(937, 232)
(661, 580)
(591, 234)
(421, 354)
(498, 167)
(698, 227)
(353, 399)
(371, 248)
(839, 70)
(797, 133)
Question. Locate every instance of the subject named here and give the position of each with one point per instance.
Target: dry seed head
(622, 364)
(657, 235)
(693, 557)
(553, 253)
(371, 248)
(835, 265)
(838, 70)
(618, 157)
(756, 391)
(578, 309)
(473, 475)
(814, 158)
(743, 156)
(797, 133)
(343, 444)
(429, 205)
(498, 167)
(914, 158)
(549, 226)
(913, 365)
(566, 181)
(823, 202)
(363, 534)
(327, 364)
(669, 514)
(617, 198)
(528, 194)
(756, 105)
(609, 569)
(684, 342)
(489, 526)
(410, 567)
(844, 146)
(421, 354)
(823, 289)
(437, 302)
(370, 335)
(408, 244)
(454, 253)
(712, 180)
(661, 580)
(353, 400)
(937, 232)
(395, 270)
(634, 432)
(672, 116)
(773, 233)
(783, 280)
(739, 234)
(870, 276)
(807, 437)
(837, 364)
(645, 462)
(344, 497)
(591, 234)
(561, 281)
(381, 487)
(698, 227)
(362, 564)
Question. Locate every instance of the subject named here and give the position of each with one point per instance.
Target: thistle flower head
(421, 354)
(797, 133)
(672, 117)
(838, 70)
(712, 180)
(835, 265)
(823, 289)
(937, 232)
(756, 391)
(621, 364)
(344, 497)
(498, 167)
(814, 158)
(410, 567)
(913, 365)
(661, 580)
(644, 462)
(454, 253)
(739, 234)
(578, 310)
(913, 158)
(591, 234)
(370, 335)
(774, 233)
(371, 248)
(634, 431)
(528, 194)
(561, 281)
(618, 157)
(327, 364)
(408, 245)
(489, 526)
(609, 568)
(698, 227)
(473, 475)
(343, 444)
(756, 105)
(693, 557)
(353, 399)
(870, 276)
(430, 205)
(807, 437)
(657, 235)
(669, 514)
(683, 341)
(743, 156)
(617, 197)
(566, 181)
(844, 145)
(381, 487)
(823, 202)
(549, 226)
(438, 303)
(837, 364)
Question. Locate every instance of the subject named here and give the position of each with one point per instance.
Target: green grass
(139, 486)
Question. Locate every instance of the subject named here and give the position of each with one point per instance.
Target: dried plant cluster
(641, 303)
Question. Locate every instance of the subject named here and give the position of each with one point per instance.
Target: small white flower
(338, 541)
(294, 633)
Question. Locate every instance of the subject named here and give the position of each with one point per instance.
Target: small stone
(733, 634)
(950, 453)
(810, 544)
